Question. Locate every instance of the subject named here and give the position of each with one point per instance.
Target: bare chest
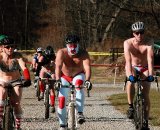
(74, 62)
(139, 51)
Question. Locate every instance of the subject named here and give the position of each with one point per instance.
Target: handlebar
(155, 79)
(50, 79)
(70, 86)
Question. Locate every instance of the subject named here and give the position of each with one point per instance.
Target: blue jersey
(35, 58)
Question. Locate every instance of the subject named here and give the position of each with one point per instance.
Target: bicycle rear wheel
(38, 91)
(71, 116)
(139, 113)
(8, 119)
(46, 103)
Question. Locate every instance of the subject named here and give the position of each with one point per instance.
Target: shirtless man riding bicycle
(138, 52)
(72, 65)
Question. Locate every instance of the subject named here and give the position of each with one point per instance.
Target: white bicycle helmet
(39, 49)
(138, 26)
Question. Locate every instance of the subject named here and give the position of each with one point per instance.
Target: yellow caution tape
(90, 53)
(102, 53)
(26, 50)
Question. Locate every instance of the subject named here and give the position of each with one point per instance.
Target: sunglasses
(141, 32)
(9, 46)
(72, 45)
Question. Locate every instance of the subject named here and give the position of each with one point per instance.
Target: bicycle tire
(38, 91)
(71, 116)
(88, 93)
(139, 112)
(8, 119)
(46, 103)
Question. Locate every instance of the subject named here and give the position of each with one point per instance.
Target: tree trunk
(113, 19)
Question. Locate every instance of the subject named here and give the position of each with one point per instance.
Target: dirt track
(99, 113)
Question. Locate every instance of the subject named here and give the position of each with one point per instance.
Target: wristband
(26, 74)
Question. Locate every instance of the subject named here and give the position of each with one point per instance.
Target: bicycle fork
(72, 122)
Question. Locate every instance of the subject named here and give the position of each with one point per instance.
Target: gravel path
(99, 113)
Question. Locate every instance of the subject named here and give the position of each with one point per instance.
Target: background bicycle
(49, 86)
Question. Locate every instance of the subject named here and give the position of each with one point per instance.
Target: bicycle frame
(72, 120)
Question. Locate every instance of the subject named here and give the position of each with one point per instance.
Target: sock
(18, 121)
(131, 105)
(41, 86)
(1, 114)
(52, 98)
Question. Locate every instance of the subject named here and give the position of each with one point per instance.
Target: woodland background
(101, 24)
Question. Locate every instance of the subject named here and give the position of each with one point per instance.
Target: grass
(121, 104)
(106, 75)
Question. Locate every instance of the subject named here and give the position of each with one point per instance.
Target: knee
(2, 92)
(61, 102)
(79, 83)
(2, 102)
(15, 103)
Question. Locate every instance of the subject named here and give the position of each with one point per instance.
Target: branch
(92, 1)
(154, 14)
(130, 9)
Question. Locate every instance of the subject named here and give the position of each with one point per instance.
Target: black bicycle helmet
(5, 40)
(72, 38)
(49, 52)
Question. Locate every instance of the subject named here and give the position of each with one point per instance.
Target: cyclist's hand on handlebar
(132, 79)
(26, 83)
(57, 85)
(88, 85)
(150, 78)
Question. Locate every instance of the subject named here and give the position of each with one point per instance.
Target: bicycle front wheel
(8, 119)
(139, 113)
(88, 93)
(71, 116)
(46, 103)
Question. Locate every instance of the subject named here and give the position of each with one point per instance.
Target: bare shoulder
(128, 42)
(61, 51)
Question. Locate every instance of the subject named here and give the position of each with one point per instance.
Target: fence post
(115, 74)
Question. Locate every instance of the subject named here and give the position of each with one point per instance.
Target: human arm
(87, 69)
(26, 74)
(150, 59)
(58, 64)
(58, 68)
(127, 55)
(39, 65)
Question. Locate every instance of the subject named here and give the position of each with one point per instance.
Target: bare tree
(113, 19)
